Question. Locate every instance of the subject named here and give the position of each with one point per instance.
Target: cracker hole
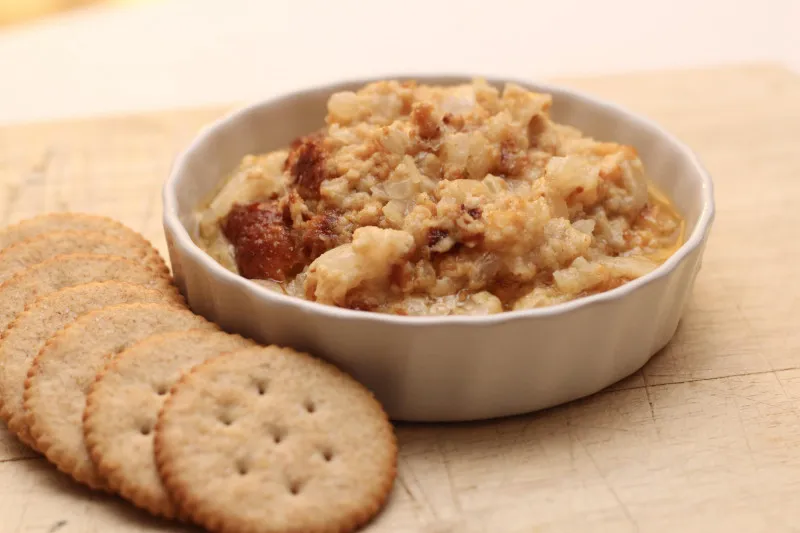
(310, 406)
(161, 390)
(241, 467)
(262, 388)
(145, 430)
(294, 487)
(277, 436)
(327, 454)
(226, 419)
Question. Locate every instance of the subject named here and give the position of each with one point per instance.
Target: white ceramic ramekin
(448, 368)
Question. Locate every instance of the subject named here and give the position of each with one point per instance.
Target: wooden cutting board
(705, 438)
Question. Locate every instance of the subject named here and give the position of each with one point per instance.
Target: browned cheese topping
(427, 200)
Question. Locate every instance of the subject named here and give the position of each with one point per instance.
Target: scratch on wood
(715, 378)
(449, 474)
(780, 384)
(523, 432)
(424, 503)
(38, 170)
(623, 507)
(601, 428)
(738, 304)
(744, 432)
(17, 459)
(402, 483)
(650, 403)
(571, 450)
(58, 525)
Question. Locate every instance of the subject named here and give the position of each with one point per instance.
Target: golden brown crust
(378, 467)
(483, 180)
(307, 165)
(265, 245)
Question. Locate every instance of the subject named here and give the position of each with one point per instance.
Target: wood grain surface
(705, 438)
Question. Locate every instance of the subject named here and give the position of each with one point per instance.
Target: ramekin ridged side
(448, 368)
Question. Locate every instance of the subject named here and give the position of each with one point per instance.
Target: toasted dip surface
(429, 200)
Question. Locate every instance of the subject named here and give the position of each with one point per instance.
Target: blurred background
(65, 58)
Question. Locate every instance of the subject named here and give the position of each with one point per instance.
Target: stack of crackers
(107, 373)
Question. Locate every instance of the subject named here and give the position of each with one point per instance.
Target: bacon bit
(396, 275)
(380, 168)
(570, 199)
(306, 163)
(475, 212)
(435, 235)
(407, 96)
(400, 275)
(454, 121)
(615, 174)
(627, 235)
(454, 173)
(264, 245)
(512, 162)
(241, 218)
(320, 235)
(507, 288)
(422, 117)
(293, 205)
(536, 127)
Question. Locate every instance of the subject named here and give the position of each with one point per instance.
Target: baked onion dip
(441, 200)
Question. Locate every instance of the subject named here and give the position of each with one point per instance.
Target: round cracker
(60, 377)
(27, 335)
(34, 250)
(65, 222)
(67, 271)
(123, 405)
(269, 440)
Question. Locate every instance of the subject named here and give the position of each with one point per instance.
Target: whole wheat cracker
(66, 271)
(63, 371)
(123, 405)
(66, 221)
(42, 319)
(34, 250)
(268, 440)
